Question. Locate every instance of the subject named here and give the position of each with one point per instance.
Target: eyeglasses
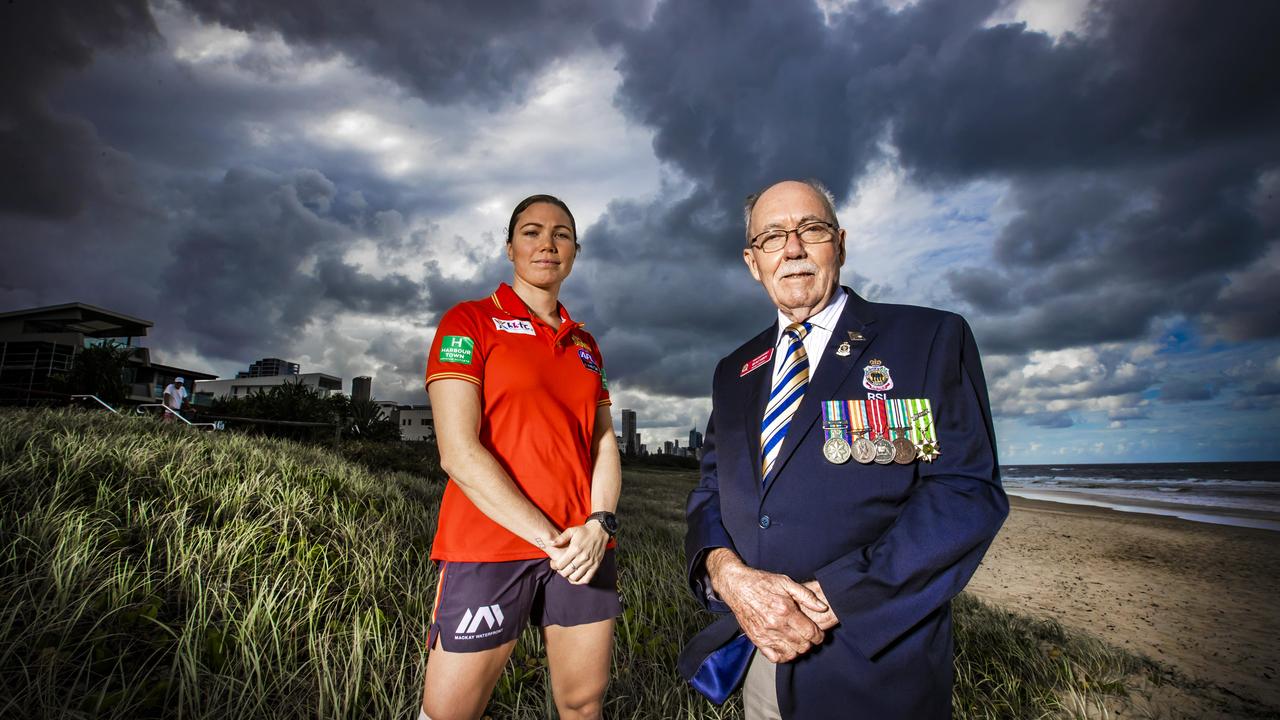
(810, 233)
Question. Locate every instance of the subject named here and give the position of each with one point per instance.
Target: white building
(416, 423)
(240, 387)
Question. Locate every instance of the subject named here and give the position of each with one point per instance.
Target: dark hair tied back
(534, 200)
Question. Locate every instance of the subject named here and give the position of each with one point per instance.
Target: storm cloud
(327, 178)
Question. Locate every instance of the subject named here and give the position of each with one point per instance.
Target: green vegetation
(152, 571)
(98, 370)
(295, 402)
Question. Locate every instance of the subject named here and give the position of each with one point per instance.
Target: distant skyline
(1095, 186)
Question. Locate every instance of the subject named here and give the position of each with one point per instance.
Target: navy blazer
(889, 544)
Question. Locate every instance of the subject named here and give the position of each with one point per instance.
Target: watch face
(608, 521)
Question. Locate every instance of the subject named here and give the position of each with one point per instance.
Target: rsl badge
(875, 377)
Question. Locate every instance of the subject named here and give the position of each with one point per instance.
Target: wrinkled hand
(772, 609)
(582, 548)
(824, 620)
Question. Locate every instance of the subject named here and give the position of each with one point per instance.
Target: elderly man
(849, 488)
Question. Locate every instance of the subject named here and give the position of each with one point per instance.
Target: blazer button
(764, 522)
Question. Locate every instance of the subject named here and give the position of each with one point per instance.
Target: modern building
(39, 344)
(242, 386)
(695, 439)
(416, 423)
(629, 434)
(667, 447)
(362, 389)
(269, 367)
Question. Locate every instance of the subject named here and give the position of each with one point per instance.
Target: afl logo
(876, 377)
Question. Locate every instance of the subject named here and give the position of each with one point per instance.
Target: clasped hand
(576, 553)
(783, 618)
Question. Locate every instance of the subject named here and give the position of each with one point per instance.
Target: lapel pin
(855, 336)
(844, 349)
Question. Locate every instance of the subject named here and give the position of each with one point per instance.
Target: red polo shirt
(539, 390)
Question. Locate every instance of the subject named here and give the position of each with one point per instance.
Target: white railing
(141, 410)
(96, 399)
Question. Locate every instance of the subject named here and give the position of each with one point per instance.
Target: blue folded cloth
(722, 671)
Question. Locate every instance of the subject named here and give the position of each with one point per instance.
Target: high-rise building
(667, 447)
(695, 439)
(362, 388)
(269, 367)
(629, 432)
(635, 443)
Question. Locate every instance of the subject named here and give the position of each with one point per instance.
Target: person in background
(175, 395)
(526, 523)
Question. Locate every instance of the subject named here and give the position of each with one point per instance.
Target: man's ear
(842, 253)
(749, 258)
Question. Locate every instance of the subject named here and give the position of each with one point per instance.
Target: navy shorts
(481, 605)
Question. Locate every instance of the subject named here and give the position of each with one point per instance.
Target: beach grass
(150, 571)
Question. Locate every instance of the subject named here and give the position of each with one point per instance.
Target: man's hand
(773, 610)
(824, 620)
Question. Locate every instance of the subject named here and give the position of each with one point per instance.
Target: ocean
(1229, 493)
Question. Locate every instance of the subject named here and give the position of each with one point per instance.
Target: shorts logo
(519, 327)
(490, 614)
(456, 349)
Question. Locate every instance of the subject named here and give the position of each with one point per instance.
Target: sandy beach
(1199, 598)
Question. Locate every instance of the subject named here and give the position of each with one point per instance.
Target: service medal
(837, 450)
(904, 451)
(863, 450)
(878, 413)
(884, 451)
(921, 416)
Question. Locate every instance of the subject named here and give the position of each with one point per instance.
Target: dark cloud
(445, 51)
(1051, 420)
(263, 259)
(1187, 390)
(1130, 147)
(48, 161)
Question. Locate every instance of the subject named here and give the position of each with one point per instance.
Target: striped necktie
(789, 385)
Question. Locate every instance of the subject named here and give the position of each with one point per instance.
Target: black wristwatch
(608, 521)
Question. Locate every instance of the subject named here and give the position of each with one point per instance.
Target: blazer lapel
(756, 394)
(834, 370)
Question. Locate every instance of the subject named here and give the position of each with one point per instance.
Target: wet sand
(1201, 598)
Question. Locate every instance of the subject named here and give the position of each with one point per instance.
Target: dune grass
(150, 571)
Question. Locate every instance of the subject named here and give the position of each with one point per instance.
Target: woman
(523, 424)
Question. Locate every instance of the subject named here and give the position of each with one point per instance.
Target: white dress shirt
(822, 325)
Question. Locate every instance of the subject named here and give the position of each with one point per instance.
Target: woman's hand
(582, 549)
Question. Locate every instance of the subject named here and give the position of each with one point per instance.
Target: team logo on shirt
(588, 361)
(456, 349)
(519, 327)
(580, 342)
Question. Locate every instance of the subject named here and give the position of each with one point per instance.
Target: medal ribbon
(879, 418)
(857, 417)
(835, 419)
(921, 420)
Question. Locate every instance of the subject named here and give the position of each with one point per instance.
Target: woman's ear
(510, 256)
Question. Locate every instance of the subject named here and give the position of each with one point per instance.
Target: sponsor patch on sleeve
(456, 349)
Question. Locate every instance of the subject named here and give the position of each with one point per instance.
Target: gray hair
(828, 202)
